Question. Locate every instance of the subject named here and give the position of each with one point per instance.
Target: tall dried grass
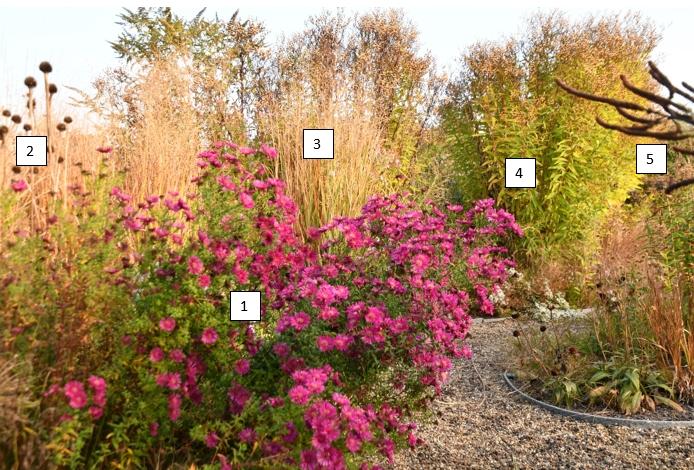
(159, 145)
(326, 188)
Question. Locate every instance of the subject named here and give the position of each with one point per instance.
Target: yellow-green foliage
(506, 104)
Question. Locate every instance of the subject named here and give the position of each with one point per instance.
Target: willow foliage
(504, 104)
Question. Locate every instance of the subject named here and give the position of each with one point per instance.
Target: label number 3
(316, 144)
(31, 149)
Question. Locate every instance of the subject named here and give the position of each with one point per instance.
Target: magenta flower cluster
(382, 299)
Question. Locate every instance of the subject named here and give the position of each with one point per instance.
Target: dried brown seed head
(45, 67)
(61, 127)
(67, 119)
(516, 333)
(52, 89)
(16, 118)
(16, 170)
(30, 82)
(27, 127)
(6, 113)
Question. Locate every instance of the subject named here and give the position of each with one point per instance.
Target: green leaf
(667, 402)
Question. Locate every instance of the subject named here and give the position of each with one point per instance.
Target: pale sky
(74, 36)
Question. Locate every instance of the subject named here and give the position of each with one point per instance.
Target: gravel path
(478, 423)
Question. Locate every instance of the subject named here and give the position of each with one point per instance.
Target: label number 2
(649, 158)
(519, 174)
(31, 149)
(316, 144)
(243, 306)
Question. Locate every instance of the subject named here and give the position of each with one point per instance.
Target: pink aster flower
(195, 265)
(246, 150)
(74, 391)
(281, 349)
(156, 354)
(325, 343)
(153, 429)
(19, 186)
(167, 324)
(96, 412)
(246, 200)
(98, 385)
(174, 406)
(161, 232)
(247, 435)
(242, 366)
(300, 321)
(204, 281)
(177, 355)
(269, 151)
(211, 440)
(209, 336)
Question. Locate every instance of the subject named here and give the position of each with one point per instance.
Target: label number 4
(649, 158)
(519, 174)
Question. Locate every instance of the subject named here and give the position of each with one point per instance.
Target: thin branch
(637, 131)
(679, 184)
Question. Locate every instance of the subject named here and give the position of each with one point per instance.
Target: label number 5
(316, 144)
(649, 158)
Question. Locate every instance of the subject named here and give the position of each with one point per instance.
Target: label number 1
(649, 158)
(243, 304)
(519, 174)
(31, 149)
(316, 144)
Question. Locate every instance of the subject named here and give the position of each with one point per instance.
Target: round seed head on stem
(30, 82)
(16, 118)
(61, 127)
(67, 119)
(27, 127)
(45, 67)
(7, 113)
(52, 89)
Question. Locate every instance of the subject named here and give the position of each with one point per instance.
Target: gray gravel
(478, 423)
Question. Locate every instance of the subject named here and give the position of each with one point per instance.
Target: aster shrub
(359, 325)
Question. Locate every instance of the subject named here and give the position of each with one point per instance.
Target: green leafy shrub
(505, 104)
